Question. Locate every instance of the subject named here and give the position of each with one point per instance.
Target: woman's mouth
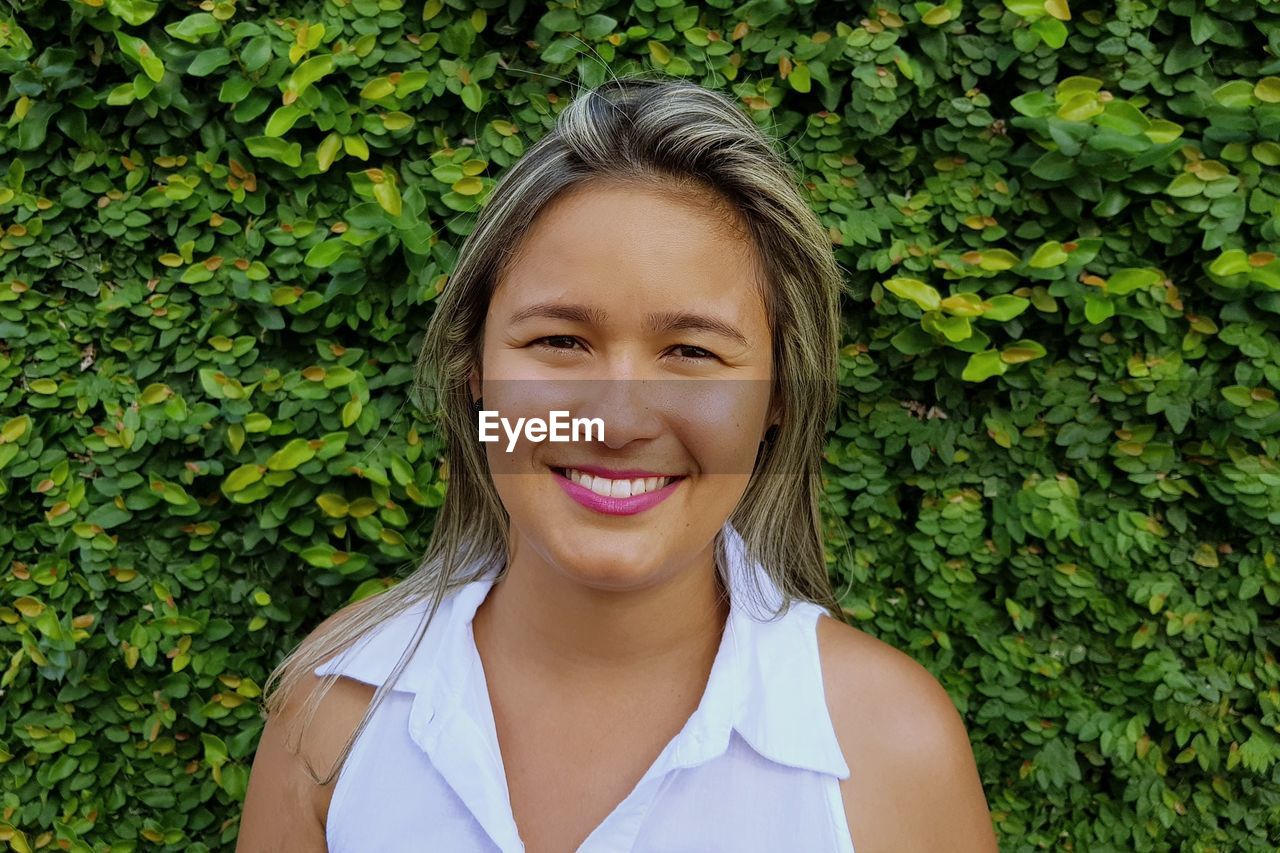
(621, 496)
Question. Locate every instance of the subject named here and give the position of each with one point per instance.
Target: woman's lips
(611, 505)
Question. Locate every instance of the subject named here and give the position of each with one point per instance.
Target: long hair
(693, 144)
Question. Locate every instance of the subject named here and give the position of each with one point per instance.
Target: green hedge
(1054, 479)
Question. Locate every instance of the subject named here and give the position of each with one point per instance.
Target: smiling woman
(628, 642)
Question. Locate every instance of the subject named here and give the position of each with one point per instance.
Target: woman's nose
(630, 407)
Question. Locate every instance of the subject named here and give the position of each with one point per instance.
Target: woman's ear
(775, 421)
(473, 383)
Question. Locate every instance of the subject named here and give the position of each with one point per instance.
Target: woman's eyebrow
(560, 311)
(676, 321)
(659, 323)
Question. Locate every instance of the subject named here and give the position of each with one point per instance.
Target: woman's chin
(608, 564)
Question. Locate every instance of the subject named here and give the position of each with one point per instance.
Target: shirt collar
(765, 683)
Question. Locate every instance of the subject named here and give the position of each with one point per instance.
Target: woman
(602, 670)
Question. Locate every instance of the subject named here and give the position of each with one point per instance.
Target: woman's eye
(693, 353)
(559, 342)
(567, 343)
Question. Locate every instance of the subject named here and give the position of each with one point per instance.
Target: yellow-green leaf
(1020, 351)
(377, 89)
(328, 151)
(799, 77)
(243, 477)
(1058, 9)
(1051, 254)
(356, 146)
(387, 197)
(235, 437)
(397, 121)
(15, 428)
(468, 186)
(292, 455)
(154, 393)
(334, 506)
(963, 304)
(994, 260)
(916, 291)
(351, 412)
(936, 16)
(1268, 90)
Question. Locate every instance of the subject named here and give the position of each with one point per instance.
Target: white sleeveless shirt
(756, 768)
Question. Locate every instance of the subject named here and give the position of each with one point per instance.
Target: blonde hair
(693, 144)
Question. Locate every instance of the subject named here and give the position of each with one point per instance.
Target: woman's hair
(694, 145)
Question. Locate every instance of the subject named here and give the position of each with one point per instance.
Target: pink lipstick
(612, 505)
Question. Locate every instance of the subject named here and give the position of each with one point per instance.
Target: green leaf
(209, 61)
(283, 119)
(952, 328)
(323, 254)
(1005, 307)
(309, 72)
(561, 21)
(1230, 262)
(473, 97)
(1033, 104)
(1052, 31)
(983, 365)
(1098, 308)
(598, 26)
(1238, 395)
(140, 52)
(133, 12)
(799, 77)
(256, 53)
(194, 27)
(913, 340)
(288, 153)
(1185, 186)
(234, 89)
(1129, 279)
(1238, 94)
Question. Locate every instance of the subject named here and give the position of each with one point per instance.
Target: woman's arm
(281, 805)
(913, 783)
(284, 809)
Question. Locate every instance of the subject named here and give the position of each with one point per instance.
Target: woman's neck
(558, 628)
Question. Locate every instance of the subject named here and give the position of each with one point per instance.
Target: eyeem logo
(536, 429)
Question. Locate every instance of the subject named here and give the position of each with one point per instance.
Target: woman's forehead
(633, 251)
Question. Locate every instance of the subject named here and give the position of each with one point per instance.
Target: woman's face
(645, 313)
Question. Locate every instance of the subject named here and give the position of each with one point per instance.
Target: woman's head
(647, 198)
(651, 263)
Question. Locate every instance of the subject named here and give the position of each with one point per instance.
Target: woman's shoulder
(283, 804)
(913, 781)
(377, 632)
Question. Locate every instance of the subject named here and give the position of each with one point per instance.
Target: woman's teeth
(617, 488)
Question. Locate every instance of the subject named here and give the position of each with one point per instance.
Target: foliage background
(1054, 476)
